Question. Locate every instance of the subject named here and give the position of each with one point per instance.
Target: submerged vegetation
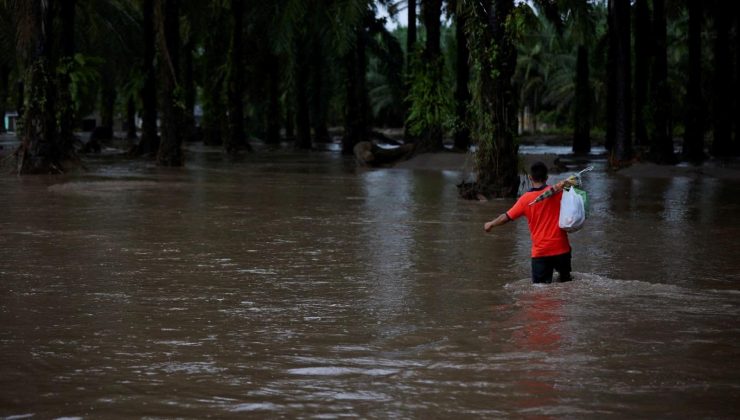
(656, 77)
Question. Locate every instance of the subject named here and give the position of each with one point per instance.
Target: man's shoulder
(529, 196)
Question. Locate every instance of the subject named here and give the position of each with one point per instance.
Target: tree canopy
(648, 79)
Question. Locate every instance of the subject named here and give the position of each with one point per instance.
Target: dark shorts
(542, 268)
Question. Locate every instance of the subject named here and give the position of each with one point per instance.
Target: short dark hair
(538, 172)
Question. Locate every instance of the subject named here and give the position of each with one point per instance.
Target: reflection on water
(295, 285)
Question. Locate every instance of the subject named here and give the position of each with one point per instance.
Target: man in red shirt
(550, 246)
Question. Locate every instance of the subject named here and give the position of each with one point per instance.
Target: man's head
(538, 172)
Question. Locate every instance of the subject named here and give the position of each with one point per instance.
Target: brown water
(295, 285)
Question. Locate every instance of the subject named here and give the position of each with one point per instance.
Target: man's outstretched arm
(500, 220)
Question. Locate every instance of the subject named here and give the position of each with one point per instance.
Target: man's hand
(496, 222)
(488, 226)
(568, 182)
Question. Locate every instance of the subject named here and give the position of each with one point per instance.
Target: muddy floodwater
(287, 284)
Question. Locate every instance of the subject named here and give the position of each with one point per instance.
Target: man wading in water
(550, 246)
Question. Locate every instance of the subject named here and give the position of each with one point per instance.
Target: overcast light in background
(391, 23)
(401, 18)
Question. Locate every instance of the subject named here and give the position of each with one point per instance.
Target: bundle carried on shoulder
(574, 203)
(573, 209)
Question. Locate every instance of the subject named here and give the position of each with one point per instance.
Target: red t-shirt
(547, 237)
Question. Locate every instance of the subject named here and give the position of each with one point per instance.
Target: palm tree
(190, 33)
(620, 33)
(494, 122)
(723, 97)
(583, 30)
(319, 89)
(7, 60)
(108, 96)
(237, 139)
(410, 53)
(386, 81)
(149, 141)
(582, 114)
(170, 148)
(538, 59)
(642, 60)
(427, 93)
(661, 143)
(356, 124)
(40, 150)
(462, 72)
(569, 81)
(411, 30)
(66, 118)
(611, 80)
(693, 142)
(272, 132)
(736, 41)
(299, 30)
(265, 23)
(212, 71)
(4, 93)
(354, 39)
(303, 118)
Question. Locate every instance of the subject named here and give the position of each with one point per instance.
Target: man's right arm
(500, 220)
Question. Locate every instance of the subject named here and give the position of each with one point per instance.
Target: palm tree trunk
(582, 106)
(661, 143)
(411, 30)
(273, 106)
(431, 138)
(66, 106)
(351, 110)
(318, 95)
(214, 117)
(736, 44)
(107, 106)
(431, 13)
(188, 81)
(355, 121)
(642, 60)
(462, 93)
(39, 151)
(237, 139)
(303, 118)
(723, 97)
(410, 52)
(622, 151)
(20, 97)
(214, 114)
(693, 142)
(4, 94)
(149, 141)
(289, 119)
(535, 110)
(170, 149)
(131, 118)
(611, 79)
(495, 108)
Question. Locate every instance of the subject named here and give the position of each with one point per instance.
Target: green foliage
(491, 110)
(131, 88)
(546, 64)
(84, 78)
(521, 22)
(178, 97)
(385, 76)
(431, 106)
(7, 36)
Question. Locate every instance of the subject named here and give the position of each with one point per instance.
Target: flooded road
(296, 285)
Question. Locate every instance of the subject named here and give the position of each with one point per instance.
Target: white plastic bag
(572, 211)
